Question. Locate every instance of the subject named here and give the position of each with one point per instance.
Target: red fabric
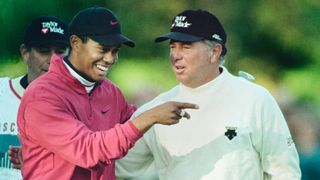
(69, 134)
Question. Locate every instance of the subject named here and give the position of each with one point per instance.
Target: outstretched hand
(167, 114)
(170, 112)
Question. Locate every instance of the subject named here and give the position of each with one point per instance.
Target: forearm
(143, 125)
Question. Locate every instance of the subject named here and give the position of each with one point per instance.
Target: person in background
(45, 36)
(238, 133)
(303, 123)
(73, 121)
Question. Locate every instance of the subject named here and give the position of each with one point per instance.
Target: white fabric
(17, 86)
(199, 149)
(9, 104)
(87, 84)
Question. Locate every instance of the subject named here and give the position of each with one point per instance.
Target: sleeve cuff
(136, 134)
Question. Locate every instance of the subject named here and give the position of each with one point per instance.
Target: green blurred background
(276, 41)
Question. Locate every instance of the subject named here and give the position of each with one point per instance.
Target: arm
(49, 125)
(54, 128)
(272, 139)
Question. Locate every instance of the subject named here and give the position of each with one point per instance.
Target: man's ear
(216, 52)
(25, 53)
(74, 42)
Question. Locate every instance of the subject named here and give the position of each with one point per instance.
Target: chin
(99, 78)
(181, 78)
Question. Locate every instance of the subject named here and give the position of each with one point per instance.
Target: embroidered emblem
(181, 21)
(217, 37)
(113, 23)
(231, 132)
(51, 26)
(44, 30)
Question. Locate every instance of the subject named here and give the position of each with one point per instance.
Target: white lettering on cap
(51, 26)
(180, 21)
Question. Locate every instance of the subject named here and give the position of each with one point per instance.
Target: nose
(110, 58)
(52, 52)
(175, 54)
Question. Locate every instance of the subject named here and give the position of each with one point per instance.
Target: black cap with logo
(195, 25)
(46, 30)
(99, 24)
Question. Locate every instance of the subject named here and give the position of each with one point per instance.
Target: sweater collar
(57, 67)
(89, 85)
(19, 85)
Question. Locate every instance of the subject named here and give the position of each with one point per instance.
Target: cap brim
(49, 42)
(114, 39)
(178, 36)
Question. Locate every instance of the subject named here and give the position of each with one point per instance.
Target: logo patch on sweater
(231, 132)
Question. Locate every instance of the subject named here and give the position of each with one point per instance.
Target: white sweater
(10, 96)
(238, 133)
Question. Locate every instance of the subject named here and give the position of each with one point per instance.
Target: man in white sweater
(239, 131)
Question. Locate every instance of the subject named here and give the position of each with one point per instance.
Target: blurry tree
(279, 32)
(271, 39)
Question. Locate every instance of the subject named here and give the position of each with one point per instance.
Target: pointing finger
(187, 105)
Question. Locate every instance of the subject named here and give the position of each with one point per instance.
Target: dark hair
(28, 47)
(84, 39)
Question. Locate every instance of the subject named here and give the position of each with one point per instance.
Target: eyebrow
(183, 42)
(108, 48)
(51, 47)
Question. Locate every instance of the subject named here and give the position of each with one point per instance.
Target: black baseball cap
(46, 30)
(195, 25)
(99, 24)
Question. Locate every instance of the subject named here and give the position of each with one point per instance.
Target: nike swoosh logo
(105, 109)
(112, 23)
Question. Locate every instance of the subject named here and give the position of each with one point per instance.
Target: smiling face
(193, 63)
(38, 58)
(91, 58)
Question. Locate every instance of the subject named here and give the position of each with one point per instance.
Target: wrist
(143, 124)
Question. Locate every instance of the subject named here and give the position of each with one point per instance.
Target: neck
(70, 60)
(215, 73)
(29, 79)
(24, 82)
(88, 85)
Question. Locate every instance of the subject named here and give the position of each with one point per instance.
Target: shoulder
(246, 85)
(4, 86)
(247, 90)
(42, 88)
(4, 80)
(108, 86)
(107, 83)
